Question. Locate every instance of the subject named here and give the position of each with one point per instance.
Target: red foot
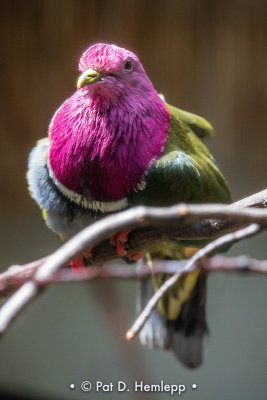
(78, 262)
(118, 240)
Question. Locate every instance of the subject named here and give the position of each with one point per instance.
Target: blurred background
(206, 56)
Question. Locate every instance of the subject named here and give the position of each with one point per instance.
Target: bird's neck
(103, 149)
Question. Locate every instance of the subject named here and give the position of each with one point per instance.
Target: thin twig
(191, 264)
(117, 271)
(16, 276)
(235, 264)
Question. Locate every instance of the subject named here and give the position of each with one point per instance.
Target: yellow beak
(87, 77)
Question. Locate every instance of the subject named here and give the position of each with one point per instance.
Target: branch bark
(191, 228)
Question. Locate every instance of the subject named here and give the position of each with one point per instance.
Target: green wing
(187, 172)
(200, 126)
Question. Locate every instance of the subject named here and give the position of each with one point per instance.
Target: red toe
(118, 240)
(77, 263)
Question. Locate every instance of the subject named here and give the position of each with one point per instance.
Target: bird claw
(118, 240)
(79, 262)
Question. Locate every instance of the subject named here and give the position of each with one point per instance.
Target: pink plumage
(107, 134)
(105, 58)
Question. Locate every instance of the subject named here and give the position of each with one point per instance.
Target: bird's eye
(128, 65)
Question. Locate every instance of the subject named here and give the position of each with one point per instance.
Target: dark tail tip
(188, 349)
(188, 330)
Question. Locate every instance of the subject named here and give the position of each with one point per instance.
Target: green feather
(187, 172)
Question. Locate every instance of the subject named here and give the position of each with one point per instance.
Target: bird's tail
(183, 335)
(188, 330)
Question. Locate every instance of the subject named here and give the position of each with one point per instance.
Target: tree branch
(155, 233)
(150, 226)
(15, 276)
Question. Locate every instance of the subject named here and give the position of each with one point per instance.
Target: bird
(116, 143)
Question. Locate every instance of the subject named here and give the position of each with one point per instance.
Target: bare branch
(235, 264)
(16, 276)
(141, 237)
(117, 271)
(150, 225)
(191, 264)
(258, 200)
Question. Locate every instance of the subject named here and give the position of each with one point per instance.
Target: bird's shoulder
(185, 139)
(184, 122)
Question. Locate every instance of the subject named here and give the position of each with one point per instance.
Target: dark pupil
(128, 65)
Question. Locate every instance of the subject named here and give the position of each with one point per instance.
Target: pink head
(109, 132)
(114, 71)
